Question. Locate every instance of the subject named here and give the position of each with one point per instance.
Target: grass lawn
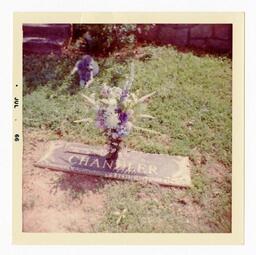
(193, 113)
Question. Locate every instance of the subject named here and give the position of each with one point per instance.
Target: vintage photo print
(128, 128)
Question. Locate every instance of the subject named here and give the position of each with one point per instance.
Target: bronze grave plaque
(130, 165)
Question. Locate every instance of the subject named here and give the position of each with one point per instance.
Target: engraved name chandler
(103, 164)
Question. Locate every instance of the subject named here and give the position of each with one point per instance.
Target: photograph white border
(236, 236)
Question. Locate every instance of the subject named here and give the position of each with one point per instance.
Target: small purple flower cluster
(113, 114)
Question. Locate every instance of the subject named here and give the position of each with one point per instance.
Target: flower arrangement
(116, 112)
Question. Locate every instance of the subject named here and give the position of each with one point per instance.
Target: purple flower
(122, 130)
(123, 117)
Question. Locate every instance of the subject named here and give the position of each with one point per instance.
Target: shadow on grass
(78, 185)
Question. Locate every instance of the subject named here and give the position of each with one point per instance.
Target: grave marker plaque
(130, 165)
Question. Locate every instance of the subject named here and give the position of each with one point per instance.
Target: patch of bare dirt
(57, 201)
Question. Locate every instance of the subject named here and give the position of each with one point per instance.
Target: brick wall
(208, 37)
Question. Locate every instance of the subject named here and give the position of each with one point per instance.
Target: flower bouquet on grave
(116, 110)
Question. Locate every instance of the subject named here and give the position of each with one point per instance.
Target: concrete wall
(45, 38)
(208, 37)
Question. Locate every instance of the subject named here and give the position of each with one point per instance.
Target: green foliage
(46, 70)
(141, 211)
(105, 38)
